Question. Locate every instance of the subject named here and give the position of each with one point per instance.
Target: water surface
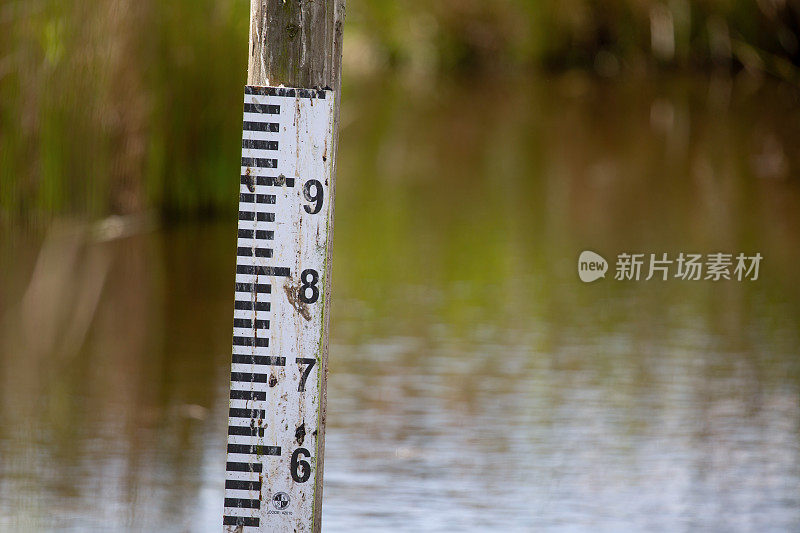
(476, 384)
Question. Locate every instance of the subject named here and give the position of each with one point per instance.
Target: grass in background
(120, 106)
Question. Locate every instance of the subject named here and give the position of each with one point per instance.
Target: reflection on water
(476, 384)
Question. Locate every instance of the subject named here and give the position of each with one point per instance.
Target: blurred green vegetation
(121, 106)
(607, 36)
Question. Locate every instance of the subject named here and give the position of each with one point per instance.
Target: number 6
(300, 469)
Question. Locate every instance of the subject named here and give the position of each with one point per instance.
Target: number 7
(305, 361)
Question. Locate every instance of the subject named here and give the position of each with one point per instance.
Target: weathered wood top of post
(296, 43)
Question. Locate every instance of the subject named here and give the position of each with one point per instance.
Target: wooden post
(294, 44)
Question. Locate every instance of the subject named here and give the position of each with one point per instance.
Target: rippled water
(476, 384)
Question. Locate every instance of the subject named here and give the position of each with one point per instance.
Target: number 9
(316, 198)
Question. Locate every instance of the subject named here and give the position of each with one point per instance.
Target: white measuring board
(284, 217)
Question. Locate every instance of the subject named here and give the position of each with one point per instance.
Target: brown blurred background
(476, 384)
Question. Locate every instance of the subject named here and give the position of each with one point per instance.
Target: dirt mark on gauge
(293, 296)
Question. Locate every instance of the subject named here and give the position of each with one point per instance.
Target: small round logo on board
(280, 501)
